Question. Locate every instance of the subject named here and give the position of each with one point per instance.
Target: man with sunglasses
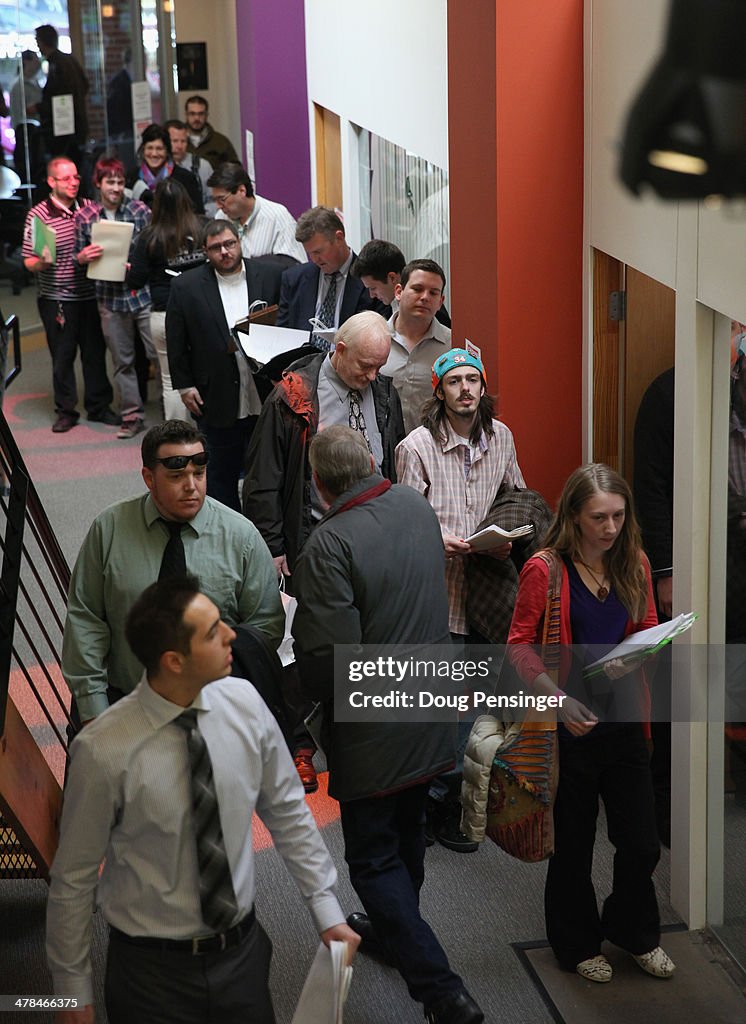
(212, 374)
(263, 227)
(67, 301)
(125, 551)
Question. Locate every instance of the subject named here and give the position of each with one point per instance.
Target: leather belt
(196, 946)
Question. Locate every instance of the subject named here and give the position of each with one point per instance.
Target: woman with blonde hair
(594, 565)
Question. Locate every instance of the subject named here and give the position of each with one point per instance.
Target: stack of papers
(43, 236)
(325, 991)
(639, 646)
(495, 537)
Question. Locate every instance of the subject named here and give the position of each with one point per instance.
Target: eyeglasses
(67, 178)
(182, 461)
(228, 246)
(219, 200)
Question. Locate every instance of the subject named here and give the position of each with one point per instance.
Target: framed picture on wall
(191, 64)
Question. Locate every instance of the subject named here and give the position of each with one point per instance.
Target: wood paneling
(328, 158)
(649, 347)
(608, 338)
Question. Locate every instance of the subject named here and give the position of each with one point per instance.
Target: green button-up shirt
(121, 555)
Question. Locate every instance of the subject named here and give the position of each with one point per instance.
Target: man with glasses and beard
(207, 368)
(173, 529)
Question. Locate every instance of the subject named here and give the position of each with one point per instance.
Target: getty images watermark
(408, 683)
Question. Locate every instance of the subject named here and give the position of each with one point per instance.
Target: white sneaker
(657, 962)
(597, 968)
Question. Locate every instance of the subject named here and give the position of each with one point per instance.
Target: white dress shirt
(128, 804)
(270, 228)
(235, 298)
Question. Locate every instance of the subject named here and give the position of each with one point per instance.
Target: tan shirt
(412, 371)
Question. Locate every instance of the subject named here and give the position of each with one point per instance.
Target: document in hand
(263, 343)
(325, 991)
(495, 537)
(114, 237)
(637, 647)
(42, 235)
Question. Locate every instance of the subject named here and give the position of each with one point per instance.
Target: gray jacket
(372, 573)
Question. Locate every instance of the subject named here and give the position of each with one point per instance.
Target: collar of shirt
(345, 268)
(454, 440)
(198, 523)
(160, 711)
(335, 381)
(232, 280)
(435, 332)
(59, 210)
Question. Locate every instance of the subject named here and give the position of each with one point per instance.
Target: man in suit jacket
(213, 376)
(324, 287)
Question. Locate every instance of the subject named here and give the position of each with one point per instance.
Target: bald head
(362, 347)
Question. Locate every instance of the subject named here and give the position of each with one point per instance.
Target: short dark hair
(155, 623)
(340, 458)
(378, 259)
(28, 55)
(107, 167)
(174, 122)
(429, 266)
(229, 176)
(47, 34)
(217, 227)
(169, 432)
(156, 133)
(318, 220)
(199, 100)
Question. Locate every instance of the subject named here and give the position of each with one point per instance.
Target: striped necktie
(216, 894)
(327, 313)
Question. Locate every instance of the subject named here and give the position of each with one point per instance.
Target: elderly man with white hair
(319, 390)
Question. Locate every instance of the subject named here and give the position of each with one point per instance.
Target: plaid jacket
(115, 295)
(492, 583)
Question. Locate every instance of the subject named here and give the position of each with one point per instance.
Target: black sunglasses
(182, 461)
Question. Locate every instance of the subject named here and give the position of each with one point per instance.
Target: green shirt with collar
(121, 555)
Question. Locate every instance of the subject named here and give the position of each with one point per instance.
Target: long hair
(434, 418)
(624, 564)
(174, 223)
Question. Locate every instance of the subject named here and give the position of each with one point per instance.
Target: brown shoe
(306, 771)
(63, 423)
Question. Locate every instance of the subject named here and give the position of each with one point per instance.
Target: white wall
(214, 23)
(382, 66)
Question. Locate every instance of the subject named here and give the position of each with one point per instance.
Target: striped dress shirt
(66, 281)
(269, 229)
(460, 483)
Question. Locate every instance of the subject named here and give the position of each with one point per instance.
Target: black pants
(227, 447)
(612, 764)
(385, 852)
(147, 986)
(81, 327)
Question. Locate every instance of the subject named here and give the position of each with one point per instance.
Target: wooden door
(328, 158)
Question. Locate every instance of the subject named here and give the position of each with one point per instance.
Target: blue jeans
(385, 852)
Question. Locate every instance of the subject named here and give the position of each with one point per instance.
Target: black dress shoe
(63, 423)
(458, 1008)
(107, 416)
(370, 944)
(447, 829)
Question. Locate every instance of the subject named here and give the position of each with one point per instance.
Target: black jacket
(200, 346)
(300, 286)
(277, 484)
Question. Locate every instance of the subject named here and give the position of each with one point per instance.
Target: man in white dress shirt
(129, 805)
(265, 228)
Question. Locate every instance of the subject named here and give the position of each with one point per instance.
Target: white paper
(114, 237)
(263, 343)
(647, 639)
(325, 990)
(250, 169)
(472, 349)
(142, 106)
(63, 115)
(495, 536)
(285, 650)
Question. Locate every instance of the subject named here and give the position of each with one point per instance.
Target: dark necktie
(357, 420)
(326, 313)
(173, 562)
(216, 895)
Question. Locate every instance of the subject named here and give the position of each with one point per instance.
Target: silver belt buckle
(195, 945)
(223, 941)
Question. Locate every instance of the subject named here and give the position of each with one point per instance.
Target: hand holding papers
(43, 241)
(638, 647)
(325, 991)
(114, 237)
(495, 537)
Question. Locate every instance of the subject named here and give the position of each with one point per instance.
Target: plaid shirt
(115, 295)
(461, 488)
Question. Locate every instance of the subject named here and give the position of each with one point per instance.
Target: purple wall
(274, 97)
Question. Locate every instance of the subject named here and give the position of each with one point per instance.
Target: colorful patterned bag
(523, 780)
